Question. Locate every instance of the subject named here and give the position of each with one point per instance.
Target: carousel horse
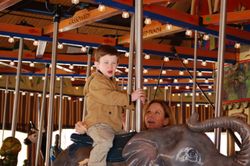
(9, 151)
(33, 136)
(182, 145)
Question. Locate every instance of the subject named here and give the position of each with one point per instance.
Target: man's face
(107, 65)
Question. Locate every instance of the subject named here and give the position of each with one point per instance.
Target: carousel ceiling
(168, 38)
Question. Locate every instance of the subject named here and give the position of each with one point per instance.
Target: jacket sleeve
(103, 92)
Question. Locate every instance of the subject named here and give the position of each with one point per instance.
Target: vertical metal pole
(209, 6)
(122, 87)
(87, 75)
(17, 88)
(5, 105)
(170, 96)
(192, 7)
(41, 120)
(60, 112)
(220, 71)
(216, 5)
(138, 43)
(149, 94)
(52, 88)
(165, 94)
(194, 71)
(180, 121)
(130, 67)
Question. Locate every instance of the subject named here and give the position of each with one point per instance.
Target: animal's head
(186, 146)
(10, 146)
(32, 134)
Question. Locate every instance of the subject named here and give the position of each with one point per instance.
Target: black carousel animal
(182, 145)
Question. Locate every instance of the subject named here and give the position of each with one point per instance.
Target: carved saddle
(115, 153)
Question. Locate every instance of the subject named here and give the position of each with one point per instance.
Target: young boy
(104, 104)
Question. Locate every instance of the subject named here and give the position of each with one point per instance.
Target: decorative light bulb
(32, 64)
(60, 46)
(145, 71)
(71, 67)
(11, 40)
(185, 61)
(169, 26)
(127, 54)
(188, 32)
(205, 37)
(125, 14)
(148, 21)
(12, 63)
(101, 8)
(75, 2)
(204, 63)
(83, 49)
(166, 59)
(35, 43)
(147, 56)
(237, 45)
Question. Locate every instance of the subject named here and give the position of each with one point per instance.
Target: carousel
(193, 55)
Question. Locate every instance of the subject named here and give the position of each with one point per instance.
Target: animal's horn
(243, 156)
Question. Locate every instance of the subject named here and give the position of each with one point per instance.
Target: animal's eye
(192, 153)
(189, 154)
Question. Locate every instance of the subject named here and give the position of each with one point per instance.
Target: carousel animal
(182, 145)
(187, 145)
(33, 137)
(9, 151)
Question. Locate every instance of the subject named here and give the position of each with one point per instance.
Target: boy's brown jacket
(104, 101)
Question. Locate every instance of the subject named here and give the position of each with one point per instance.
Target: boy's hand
(81, 127)
(138, 94)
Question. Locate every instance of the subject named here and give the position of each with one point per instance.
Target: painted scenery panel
(236, 81)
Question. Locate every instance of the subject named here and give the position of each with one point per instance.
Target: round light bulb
(101, 8)
(11, 40)
(148, 21)
(125, 14)
(75, 2)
